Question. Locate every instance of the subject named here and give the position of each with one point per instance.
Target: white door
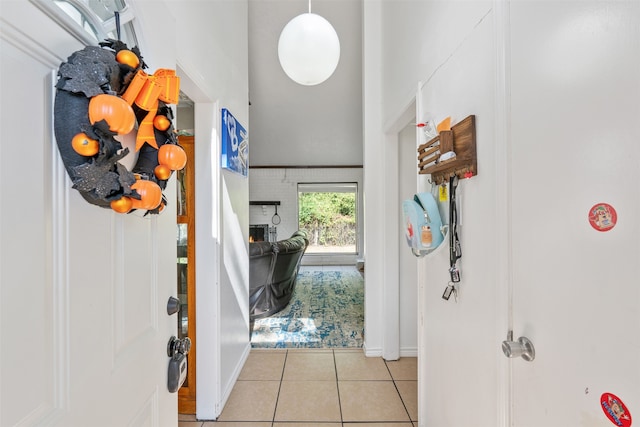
(575, 145)
(83, 323)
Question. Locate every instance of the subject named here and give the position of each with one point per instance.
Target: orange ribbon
(145, 91)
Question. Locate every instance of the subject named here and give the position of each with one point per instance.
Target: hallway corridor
(319, 387)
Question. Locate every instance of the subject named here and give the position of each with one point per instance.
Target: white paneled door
(83, 324)
(576, 211)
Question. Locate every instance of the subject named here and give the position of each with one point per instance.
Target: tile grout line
(398, 391)
(284, 365)
(335, 367)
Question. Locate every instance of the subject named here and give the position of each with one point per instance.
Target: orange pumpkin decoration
(115, 110)
(150, 193)
(122, 205)
(127, 57)
(84, 145)
(173, 156)
(162, 172)
(161, 123)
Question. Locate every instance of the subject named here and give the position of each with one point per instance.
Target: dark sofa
(273, 269)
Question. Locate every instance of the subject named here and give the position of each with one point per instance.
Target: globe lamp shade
(309, 49)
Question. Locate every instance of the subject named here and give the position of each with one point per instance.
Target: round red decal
(603, 217)
(615, 410)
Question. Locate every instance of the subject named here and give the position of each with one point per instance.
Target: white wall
(451, 47)
(281, 184)
(408, 263)
(384, 299)
(461, 52)
(374, 179)
(212, 57)
(327, 117)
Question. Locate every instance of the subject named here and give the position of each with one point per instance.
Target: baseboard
(409, 352)
(377, 351)
(328, 259)
(372, 352)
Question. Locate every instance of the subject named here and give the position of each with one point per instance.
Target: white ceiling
(295, 125)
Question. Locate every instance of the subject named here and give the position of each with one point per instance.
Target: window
(328, 212)
(92, 21)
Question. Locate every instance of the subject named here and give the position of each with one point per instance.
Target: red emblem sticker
(615, 410)
(603, 217)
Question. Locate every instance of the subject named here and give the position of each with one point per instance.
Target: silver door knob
(521, 348)
(177, 345)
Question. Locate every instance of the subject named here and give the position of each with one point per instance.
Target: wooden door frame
(187, 393)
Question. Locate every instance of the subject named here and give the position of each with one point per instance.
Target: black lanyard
(455, 250)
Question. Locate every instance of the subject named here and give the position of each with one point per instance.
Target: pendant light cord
(309, 6)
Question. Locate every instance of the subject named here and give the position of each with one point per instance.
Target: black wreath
(101, 179)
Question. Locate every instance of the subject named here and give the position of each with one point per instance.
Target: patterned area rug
(326, 310)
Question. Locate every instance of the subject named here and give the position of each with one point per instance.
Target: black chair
(273, 270)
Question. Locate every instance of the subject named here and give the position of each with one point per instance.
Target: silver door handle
(521, 348)
(178, 346)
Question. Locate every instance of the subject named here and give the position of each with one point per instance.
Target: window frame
(102, 28)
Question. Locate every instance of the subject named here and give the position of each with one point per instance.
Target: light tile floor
(320, 388)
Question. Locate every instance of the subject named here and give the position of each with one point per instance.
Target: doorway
(323, 273)
(186, 252)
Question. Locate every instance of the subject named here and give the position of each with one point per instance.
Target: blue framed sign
(235, 145)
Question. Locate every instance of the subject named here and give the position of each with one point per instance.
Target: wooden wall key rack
(461, 139)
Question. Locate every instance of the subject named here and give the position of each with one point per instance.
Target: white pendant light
(309, 49)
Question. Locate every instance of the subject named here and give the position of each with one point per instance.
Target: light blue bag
(422, 224)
